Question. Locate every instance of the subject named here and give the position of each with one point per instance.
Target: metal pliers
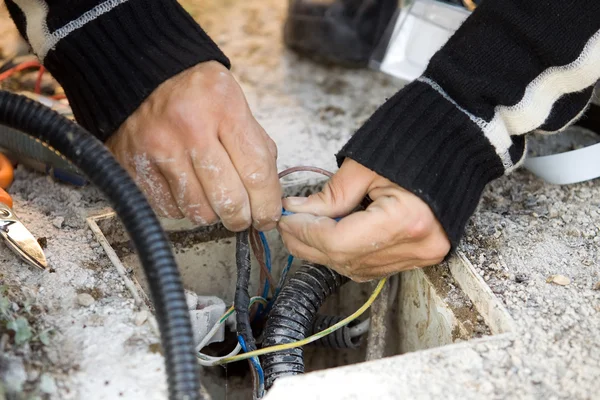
(14, 233)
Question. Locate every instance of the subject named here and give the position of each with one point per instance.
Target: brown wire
(305, 169)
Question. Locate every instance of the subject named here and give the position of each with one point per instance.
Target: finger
(381, 271)
(356, 235)
(302, 251)
(341, 194)
(222, 186)
(156, 188)
(250, 154)
(187, 192)
(270, 144)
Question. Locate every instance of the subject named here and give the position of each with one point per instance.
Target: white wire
(209, 361)
(360, 329)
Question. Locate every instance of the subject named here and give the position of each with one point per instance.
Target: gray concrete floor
(524, 230)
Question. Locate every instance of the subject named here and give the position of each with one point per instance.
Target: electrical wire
(312, 338)
(363, 327)
(267, 250)
(260, 390)
(38, 82)
(21, 67)
(209, 361)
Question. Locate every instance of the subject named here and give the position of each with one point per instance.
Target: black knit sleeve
(110, 55)
(513, 67)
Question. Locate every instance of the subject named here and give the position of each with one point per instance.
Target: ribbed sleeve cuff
(422, 142)
(110, 65)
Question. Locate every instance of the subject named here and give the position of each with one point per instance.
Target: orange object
(6, 178)
(19, 68)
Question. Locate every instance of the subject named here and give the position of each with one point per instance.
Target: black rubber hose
(339, 339)
(292, 317)
(241, 300)
(91, 156)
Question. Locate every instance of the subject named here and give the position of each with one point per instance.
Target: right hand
(196, 151)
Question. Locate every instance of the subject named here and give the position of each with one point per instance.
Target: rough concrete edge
(140, 300)
(489, 306)
(294, 384)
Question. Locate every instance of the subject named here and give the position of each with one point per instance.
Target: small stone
(597, 286)
(141, 317)
(58, 222)
(47, 384)
(558, 280)
(520, 278)
(85, 299)
(567, 218)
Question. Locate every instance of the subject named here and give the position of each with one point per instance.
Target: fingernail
(295, 201)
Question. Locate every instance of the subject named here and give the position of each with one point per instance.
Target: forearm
(513, 67)
(110, 55)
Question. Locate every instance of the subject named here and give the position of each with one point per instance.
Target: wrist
(110, 65)
(424, 143)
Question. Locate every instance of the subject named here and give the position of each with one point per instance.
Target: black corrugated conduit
(92, 158)
(292, 318)
(339, 339)
(241, 300)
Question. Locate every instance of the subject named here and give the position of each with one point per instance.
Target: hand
(195, 150)
(396, 232)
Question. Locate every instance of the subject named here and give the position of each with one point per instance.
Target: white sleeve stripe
(40, 39)
(36, 12)
(535, 106)
(545, 90)
(501, 143)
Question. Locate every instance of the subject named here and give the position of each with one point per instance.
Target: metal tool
(15, 234)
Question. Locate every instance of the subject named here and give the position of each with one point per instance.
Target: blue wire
(286, 213)
(265, 244)
(257, 368)
(284, 273)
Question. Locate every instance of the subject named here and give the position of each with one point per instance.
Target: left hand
(398, 231)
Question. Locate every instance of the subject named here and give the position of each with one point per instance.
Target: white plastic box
(414, 35)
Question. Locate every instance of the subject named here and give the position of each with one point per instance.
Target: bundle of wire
(261, 250)
(27, 65)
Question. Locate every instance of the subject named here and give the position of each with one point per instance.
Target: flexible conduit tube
(166, 289)
(292, 318)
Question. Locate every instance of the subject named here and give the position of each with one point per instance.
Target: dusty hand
(396, 232)
(195, 149)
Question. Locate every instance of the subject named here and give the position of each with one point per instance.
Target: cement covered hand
(195, 149)
(396, 232)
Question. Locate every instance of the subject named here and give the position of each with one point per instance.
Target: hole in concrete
(435, 306)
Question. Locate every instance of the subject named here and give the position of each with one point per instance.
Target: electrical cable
(20, 67)
(260, 390)
(363, 327)
(89, 154)
(267, 250)
(38, 82)
(209, 361)
(241, 300)
(311, 338)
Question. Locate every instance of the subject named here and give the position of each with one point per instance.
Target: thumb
(341, 194)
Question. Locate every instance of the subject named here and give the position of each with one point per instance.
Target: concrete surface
(523, 232)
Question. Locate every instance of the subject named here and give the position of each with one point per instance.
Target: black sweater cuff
(113, 63)
(425, 144)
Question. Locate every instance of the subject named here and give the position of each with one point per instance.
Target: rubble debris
(85, 299)
(558, 280)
